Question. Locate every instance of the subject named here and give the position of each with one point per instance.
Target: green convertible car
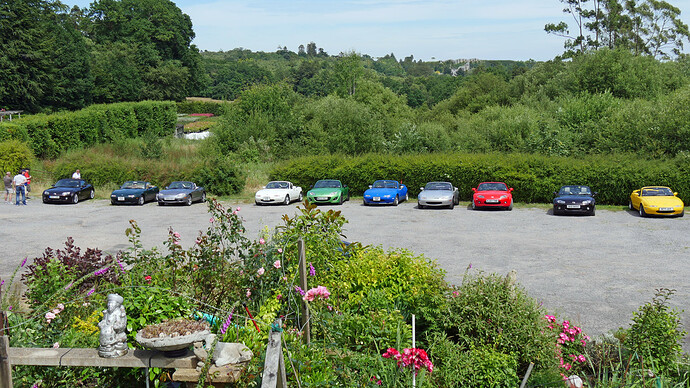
(328, 191)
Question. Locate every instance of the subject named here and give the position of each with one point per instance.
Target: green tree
(348, 69)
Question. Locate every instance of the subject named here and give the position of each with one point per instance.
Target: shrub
(190, 106)
(220, 176)
(655, 334)
(14, 155)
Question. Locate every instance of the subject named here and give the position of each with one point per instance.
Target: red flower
(147, 278)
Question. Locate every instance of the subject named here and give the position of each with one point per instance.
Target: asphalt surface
(594, 271)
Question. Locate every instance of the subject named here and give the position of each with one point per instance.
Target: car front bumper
(171, 199)
(115, 200)
(570, 209)
(662, 211)
(434, 202)
(323, 199)
(488, 203)
(58, 198)
(379, 200)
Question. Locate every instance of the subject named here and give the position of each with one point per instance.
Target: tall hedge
(534, 177)
(191, 106)
(50, 135)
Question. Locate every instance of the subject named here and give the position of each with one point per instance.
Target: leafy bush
(220, 176)
(655, 335)
(14, 155)
(200, 106)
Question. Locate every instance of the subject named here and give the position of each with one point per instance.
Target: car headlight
(447, 197)
(503, 197)
(651, 205)
(334, 193)
(387, 196)
(586, 202)
(560, 201)
(113, 195)
(480, 196)
(679, 205)
(181, 195)
(66, 193)
(310, 193)
(130, 196)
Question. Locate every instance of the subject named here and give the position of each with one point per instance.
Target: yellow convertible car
(656, 200)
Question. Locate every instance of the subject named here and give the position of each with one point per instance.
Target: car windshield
(67, 183)
(575, 190)
(438, 186)
(329, 184)
(385, 185)
(492, 187)
(180, 185)
(134, 185)
(657, 192)
(277, 185)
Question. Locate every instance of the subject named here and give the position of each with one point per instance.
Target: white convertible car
(278, 192)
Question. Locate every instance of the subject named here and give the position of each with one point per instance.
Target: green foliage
(14, 155)
(200, 106)
(489, 311)
(480, 366)
(655, 335)
(220, 176)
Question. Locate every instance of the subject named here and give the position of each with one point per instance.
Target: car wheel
(642, 212)
(287, 200)
(682, 213)
(75, 198)
(340, 200)
(396, 201)
(510, 207)
(257, 203)
(474, 206)
(630, 205)
(203, 197)
(161, 203)
(452, 204)
(348, 195)
(92, 194)
(364, 202)
(141, 201)
(188, 202)
(44, 200)
(593, 212)
(300, 197)
(407, 197)
(420, 206)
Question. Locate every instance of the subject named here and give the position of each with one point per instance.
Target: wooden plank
(302, 252)
(223, 374)
(135, 358)
(272, 365)
(5, 367)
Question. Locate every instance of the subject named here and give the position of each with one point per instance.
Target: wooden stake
(306, 332)
(5, 367)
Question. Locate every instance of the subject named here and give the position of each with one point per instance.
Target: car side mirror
(637, 194)
(555, 193)
(401, 186)
(345, 186)
(594, 194)
(675, 194)
(370, 186)
(474, 189)
(510, 190)
(167, 187)
(421, 189)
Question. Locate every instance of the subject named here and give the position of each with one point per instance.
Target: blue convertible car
(385, 191)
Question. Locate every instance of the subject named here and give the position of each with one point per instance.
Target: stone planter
(172, 346)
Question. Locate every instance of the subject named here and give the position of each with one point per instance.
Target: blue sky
(431, 29)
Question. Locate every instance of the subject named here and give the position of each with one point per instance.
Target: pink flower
(56, 345)
(177, 235)
(581, 358)
(234, 212)
(260, 271)
(198, 241)
(456, 294)
(276, 264)
(262, 241)
(279, 297)
(60, 306)
(50, 316)
(249, 293)
(550, 318)
(280, 250)
(176, 243)
(320, 291)
(211, 220)
(392, 353)
(238, 208)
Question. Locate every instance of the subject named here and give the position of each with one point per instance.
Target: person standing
(19, 182)
(76, 175)
(8, 187)
(28, 182)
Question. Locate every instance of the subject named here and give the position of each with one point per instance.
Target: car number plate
(321, 198)
(120, 198)
(54, 196)
(267, 199)
(491, 201)
(666, 209)
(376, 199)
(573, 206)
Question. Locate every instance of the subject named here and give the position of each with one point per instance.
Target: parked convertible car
(385, 191)
(492, 195)
(328, 191)
(138, 192)
(436, 194)
(278, 192)
(656, 200)
(68, 191)
(181, 192)
(574, 199)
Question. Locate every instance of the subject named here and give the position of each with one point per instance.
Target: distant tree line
(53, 58)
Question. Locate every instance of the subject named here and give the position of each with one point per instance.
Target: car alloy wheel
(630, 205)
(474, 206)
(452, 204)
(141, 200)
(75, 198)
(407, 196)
(287, 200)
(300, 197)
(189, 201)
(396, 201)
(203, 197)
(161, 203)
(642, 212)
(419, 205)
(92, 194)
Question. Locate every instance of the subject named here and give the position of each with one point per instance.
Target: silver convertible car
(438, 194)
(181, 192)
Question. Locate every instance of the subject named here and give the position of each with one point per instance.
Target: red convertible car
(492, 195)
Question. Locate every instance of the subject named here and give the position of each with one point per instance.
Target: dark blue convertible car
(68, 191)
(385, 191)
(138, 192)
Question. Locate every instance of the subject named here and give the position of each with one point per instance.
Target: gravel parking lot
(594, 271)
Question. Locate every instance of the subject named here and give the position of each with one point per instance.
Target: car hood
(175, 191)
(58, 190)
(380, 192)
(431, 194)
(272, 192)
(574, 198)
(325, 190)
(662, 201)
(128, 192)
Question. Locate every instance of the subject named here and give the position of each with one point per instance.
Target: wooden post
(5, 367)
(274, 366)
(306, 332)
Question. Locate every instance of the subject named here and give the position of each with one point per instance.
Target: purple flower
(9, 308)
(226, 324)
(67, 287)
(299, 290)
(1, 283)
(101, 271)
(122, 267)
(24, 262)
(312, 270)
(91, 291)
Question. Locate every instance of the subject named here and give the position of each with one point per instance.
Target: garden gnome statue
(113, 338)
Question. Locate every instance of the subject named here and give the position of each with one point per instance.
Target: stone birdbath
(173, 337)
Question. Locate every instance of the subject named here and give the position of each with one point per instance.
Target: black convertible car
(68, 191)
